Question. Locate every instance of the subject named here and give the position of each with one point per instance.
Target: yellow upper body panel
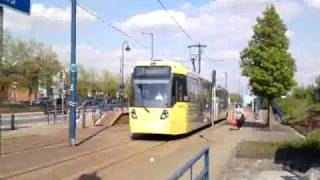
(175, 66)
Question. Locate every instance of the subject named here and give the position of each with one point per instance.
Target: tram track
(44, 145)
(87, 155)
(51, 145)
(64, 160)
(126, 158)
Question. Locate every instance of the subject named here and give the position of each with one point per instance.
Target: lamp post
(151, 34)
(125, 47)
(226, 81)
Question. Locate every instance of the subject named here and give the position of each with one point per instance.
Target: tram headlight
(164, 114)
(134, 114)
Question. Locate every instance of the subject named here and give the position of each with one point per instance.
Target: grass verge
(256, 150)
(298, 154)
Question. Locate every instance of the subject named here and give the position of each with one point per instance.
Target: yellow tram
(168, 98)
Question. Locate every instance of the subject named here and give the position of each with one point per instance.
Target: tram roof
(175, 66)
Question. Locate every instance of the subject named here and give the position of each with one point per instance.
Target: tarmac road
(29, 118)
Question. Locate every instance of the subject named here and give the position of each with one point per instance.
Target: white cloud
(219, 22)
(250, 8)
(313, 3)
(307, 62)
(44, 17)
(186, 5)
(225, 26)
(290, 34)
(98, 59)
(58, 14)
(156, 21)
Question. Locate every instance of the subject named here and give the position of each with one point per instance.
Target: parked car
(51, 107)
(88, 102)
(40, 101)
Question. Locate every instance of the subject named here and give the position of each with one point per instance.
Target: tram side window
(206, 94)
(179, 89)
(193, 89)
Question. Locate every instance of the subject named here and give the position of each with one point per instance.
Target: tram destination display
(149, 71)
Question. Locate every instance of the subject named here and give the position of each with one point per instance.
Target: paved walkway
(224, 149)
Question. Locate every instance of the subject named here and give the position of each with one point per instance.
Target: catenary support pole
(1, 59)
(73, 72)
(1, 35)
(1, 136)
(199, 46)
(226, 80)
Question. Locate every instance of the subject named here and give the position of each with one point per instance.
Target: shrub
(293, 109)
(310, 144)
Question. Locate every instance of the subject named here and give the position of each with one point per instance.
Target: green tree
(266, 61)
(48, 62)
(109, 83)
(9, 66)
(235, 98)
(39, 64)
(305, 93)
(317, 88)
(92, 81)
(27, 63)
(85, 81)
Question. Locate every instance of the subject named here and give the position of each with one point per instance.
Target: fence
(277, 111)
(11, 121)
(204, 174)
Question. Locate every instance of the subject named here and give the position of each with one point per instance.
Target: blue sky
(223, 25)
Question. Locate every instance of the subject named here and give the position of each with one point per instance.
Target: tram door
(205, 101)
(193, 86)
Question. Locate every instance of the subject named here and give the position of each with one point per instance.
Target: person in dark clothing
(239, 114)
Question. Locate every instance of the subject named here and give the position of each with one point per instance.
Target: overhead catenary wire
(109, 24)
(214, 60)
(175, 21)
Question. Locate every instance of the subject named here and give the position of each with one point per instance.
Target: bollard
(94, 116)
(79, 110)
(1, 136)
(12, 121)
(48, 117)
(0, 131)
(54, 117)
(84, 119)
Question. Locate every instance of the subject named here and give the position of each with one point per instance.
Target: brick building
(14, 94)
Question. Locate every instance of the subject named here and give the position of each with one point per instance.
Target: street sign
(73, 68)
(19, 5)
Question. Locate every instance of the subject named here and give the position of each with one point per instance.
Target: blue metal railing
(204, 174)
(277, 111)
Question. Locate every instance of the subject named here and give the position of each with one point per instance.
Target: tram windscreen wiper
(144, 107)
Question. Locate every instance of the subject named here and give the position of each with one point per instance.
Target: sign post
(21, 6)
(73, 77)
(1, 35)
